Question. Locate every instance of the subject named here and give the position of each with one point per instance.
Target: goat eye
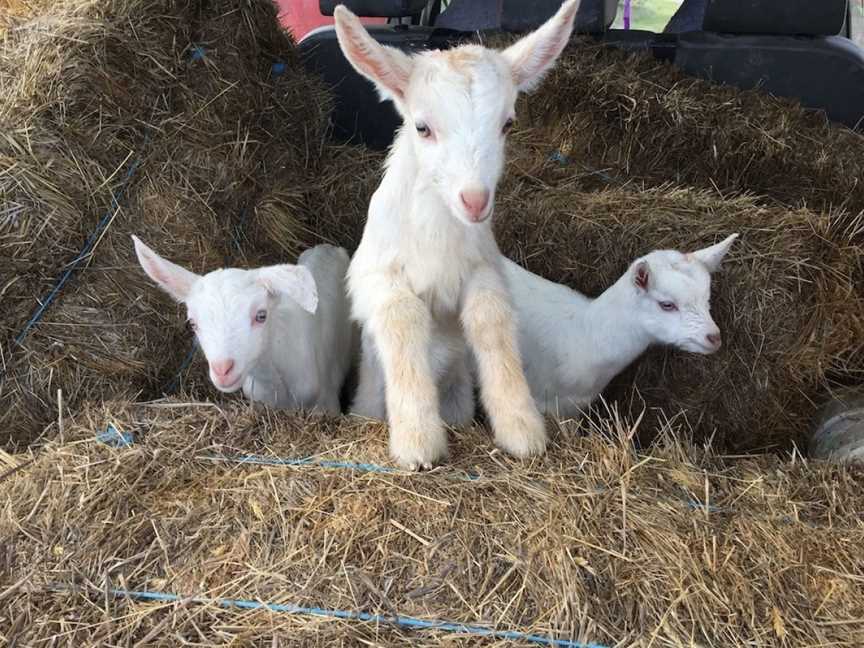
(423, 130)
(261, 316)
(668, 306)
(507, 126)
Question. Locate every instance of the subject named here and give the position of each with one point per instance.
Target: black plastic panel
(690, 16)
(375, 8)
(779, 17)
(594, 16)
(825, 73)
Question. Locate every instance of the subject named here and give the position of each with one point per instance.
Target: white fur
(299, 356)
(573, 346)
(426, 281)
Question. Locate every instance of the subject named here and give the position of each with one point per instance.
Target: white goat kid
(283, 333)
(427, 276)
(573, 346)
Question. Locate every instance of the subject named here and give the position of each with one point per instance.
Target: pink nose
(222, 369)
(714, 340)
(475, 202)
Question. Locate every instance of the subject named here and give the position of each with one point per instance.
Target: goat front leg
(401, 326)
(490, 328)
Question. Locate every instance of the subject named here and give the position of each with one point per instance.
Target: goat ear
(712, 257)
(293, 280)
(388, 68)
(173, 279)
(641, 275)
(534, 55)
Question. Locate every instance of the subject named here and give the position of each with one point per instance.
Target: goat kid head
(230, 309)
(673, 293)
(457, 104)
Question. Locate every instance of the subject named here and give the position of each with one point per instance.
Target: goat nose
(714, 339)
(475, 202)
(221, 368)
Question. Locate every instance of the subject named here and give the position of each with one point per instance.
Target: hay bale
(786, 299)
(110, 331)
(51, 195)
(214, 125)
(99, 72)
(640, 119)
(330, 206)
(700, 548)
(245, 111)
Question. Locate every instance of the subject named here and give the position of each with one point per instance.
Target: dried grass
(596, 541)
(670, 545)
(639, 119)
(224, 125)
(52, 193)
(98, 72)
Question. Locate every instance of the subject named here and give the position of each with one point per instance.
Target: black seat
(786, 47)
(471, 15)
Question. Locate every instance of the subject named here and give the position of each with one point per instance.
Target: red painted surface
(302, 16)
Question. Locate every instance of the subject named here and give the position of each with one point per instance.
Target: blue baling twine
(85, 251)
(175, 382)
(198, 53)
(261, 460)
(116, 438)
(402, 621)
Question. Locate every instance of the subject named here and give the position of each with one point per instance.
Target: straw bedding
(641, 120)
(596, 541)
(110, 332)
(80, 86)
(51, 194)
(225, 126)
(673, 544)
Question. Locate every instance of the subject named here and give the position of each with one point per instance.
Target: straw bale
(110, 330)
(640, 119)
(51, 195)
(223, 114)
(328, 207)
(595, 541)
(786, 299)
(246, 111)
(99, 72)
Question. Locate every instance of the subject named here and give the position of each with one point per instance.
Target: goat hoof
(522, 434)
(418, 448)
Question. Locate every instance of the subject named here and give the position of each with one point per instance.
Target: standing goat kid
(282, 333)
(573, 346)
(427, 276)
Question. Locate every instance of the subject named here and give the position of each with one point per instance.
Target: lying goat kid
(282, 332)
(572, 346)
